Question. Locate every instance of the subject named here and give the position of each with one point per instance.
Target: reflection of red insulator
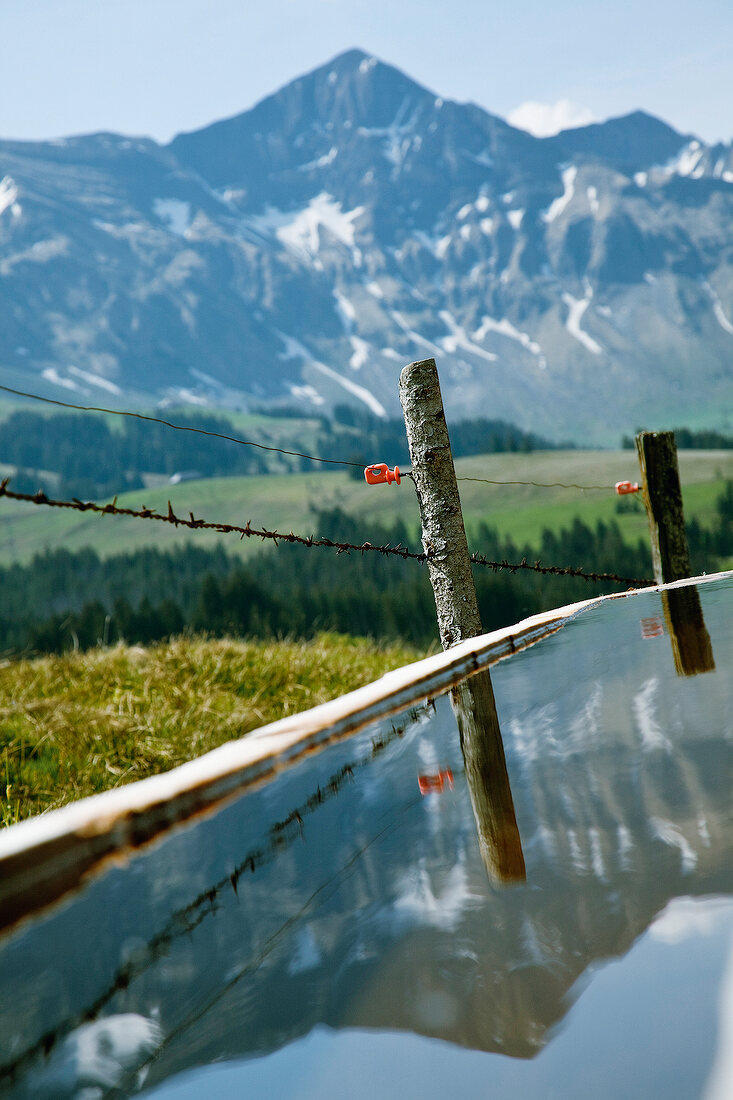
(623, 487)
(435, 784)
(379, 473)
(652, 627)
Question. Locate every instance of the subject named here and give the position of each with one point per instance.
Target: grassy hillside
(285, 502)
(76, 725)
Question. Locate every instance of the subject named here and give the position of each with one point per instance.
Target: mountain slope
(352, 222)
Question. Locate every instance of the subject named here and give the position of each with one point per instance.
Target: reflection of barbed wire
(248, 531)
(185, 919)
(195, 1016)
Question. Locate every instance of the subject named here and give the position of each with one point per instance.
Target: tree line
(63, 600)
(689, 440)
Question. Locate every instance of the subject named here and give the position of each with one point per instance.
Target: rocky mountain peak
(354, 221)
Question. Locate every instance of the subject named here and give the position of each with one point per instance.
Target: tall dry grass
(75, 725)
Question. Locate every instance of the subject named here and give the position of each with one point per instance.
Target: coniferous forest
(64, 600)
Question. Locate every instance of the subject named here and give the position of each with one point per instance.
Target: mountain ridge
(305, 249)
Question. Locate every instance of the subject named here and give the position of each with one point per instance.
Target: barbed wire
(181, 427)
(248, 531)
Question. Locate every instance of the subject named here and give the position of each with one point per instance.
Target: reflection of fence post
(488, 779)
(690, 640)
(449, 565)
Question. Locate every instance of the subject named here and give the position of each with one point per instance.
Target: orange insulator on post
(623, 487)
(379, 473)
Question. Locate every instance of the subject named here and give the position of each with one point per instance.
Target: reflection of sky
(645, 1026)
(337, 897)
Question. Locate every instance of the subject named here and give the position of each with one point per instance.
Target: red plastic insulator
(379, 473)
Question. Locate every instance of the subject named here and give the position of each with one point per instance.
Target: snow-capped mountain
(305, 250)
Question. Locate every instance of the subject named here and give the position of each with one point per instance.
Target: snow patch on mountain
(557, 206)
(53, 376)
(416, 338)
(358, 391)
(95, 380)
(346, 310)
(320, 162)
(360, 347)
(437, 246)
(361, 352)
(720, 316)
(306, 393)
(398, 136)
(504, 327)
(689, 163)
(8, 195)
(300, 230)
(459, 338)
(294, 349)
(576, 309)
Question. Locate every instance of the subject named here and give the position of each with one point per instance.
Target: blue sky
(157, 67)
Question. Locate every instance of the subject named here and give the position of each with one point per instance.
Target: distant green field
(287, 503)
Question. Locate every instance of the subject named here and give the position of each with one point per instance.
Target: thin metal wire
(277, 450)
(539, 484)
(182, 428)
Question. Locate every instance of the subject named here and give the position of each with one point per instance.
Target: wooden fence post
(443, 533)
(691, 647)
(449, 566)
(663, 501)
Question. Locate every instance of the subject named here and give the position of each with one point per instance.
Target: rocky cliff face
(305, 250)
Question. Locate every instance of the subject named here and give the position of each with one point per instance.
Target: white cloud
(546, 119)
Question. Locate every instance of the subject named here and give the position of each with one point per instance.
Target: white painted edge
(116, 817)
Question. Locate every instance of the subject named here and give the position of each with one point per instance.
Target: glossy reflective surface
(338, 932)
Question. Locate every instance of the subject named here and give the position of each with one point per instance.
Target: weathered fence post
(663, 501)
(443, 533)
(449, 566)
(691, 647)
